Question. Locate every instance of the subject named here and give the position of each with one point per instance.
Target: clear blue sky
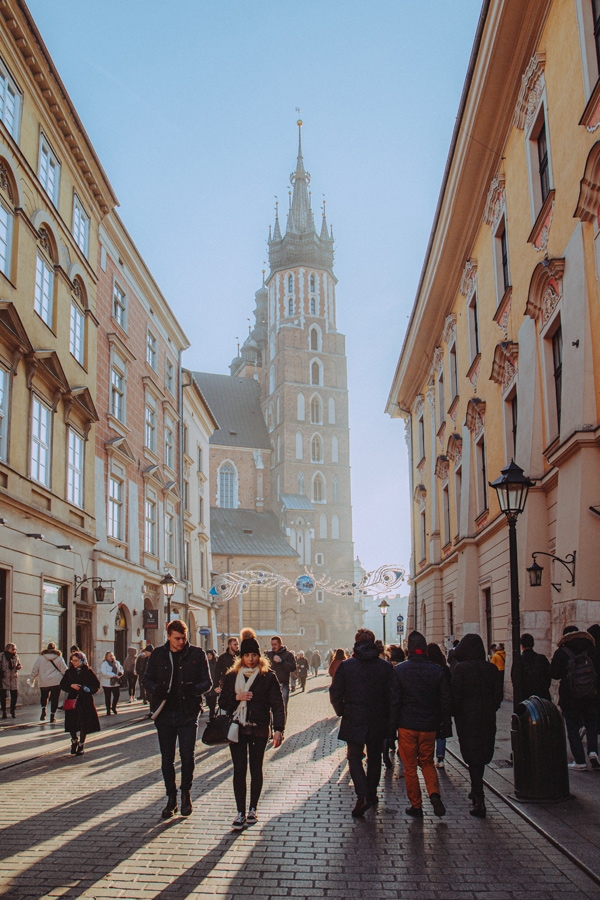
(191, 108)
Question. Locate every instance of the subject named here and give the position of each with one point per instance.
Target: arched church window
(299, 450)
(300, 414)
(323, 527)
(301, 483)
(331, 411)
(290, 307)
(335, 527)
(316, 408)
(313, 306)
(336, 489)
(227, 486)
(316, 452)
(314, 339)
(312, 284)
(318, 489)
(315, 373)
(290, 283)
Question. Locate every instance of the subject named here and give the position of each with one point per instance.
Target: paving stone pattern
(90, 827)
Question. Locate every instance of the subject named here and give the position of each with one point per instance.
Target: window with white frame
(331, 404)
(482, 484)
(75, 459)
(453, 372)
(119, 305)
(201, 509)
(446, 514)
(227, 486)
(4, 412)
(200, 458)
(291, 306)
(186, 560)
(169, 376)
(335, 527)
(336, 489)
(323, 527)
(299, 447)
(290, 284)
(202, 568)
(44, 290)
(117, 388)
(458, 496)
(314, 339)
(278, 448)
(278, 408)
(312, 284)
(316, 449)
(557, 357)
(76, 333)
(6, 231)
(10, 102)
(116, 516)
(301, 483)
(316, 373)
(421, 437)
(316, 410)
(151, 349)
(473, 317)
(320, 594)
(49, 170)
(41, 437)
(272, 380)
(319, 559)
(313, 306)
(501, 259)
(318, 489)
(539, 160)
(300, 404)
(150, 525)
(150, 424)
(81, 226)
(170, 536)
(423, 529)
(169, 444)
(441, 400)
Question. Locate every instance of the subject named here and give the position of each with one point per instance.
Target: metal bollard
(539, 749)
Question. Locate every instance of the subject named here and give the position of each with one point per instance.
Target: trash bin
(538, 739)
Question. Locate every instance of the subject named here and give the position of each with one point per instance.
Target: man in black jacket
(535, 670)
(282, 663)
(225, 662)
(420, 710)
(360, 694)
(578, 704)
(176, 676)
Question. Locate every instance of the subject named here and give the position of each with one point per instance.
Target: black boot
(43, 715)
(74, 745)
(79, 751)
(171, 807)
(186, 803)
(478, 808)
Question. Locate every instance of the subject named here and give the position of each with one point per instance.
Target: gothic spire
(300, 219)
(324, 232)
(277, 229)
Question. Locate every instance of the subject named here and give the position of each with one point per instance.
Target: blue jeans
(574, 719)
(285, 693)
(171, 727)
(440, 748)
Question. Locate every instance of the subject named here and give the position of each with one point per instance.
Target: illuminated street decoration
(381, 581)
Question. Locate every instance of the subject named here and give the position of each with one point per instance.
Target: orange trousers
(416, 749)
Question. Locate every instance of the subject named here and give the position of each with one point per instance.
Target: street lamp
(512, 488)
(383, 608)
(535, 570)
(168, 585)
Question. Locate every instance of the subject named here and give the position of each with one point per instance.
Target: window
(202, 568)
(446, 514)
(544, 171)
(539, 160)
(513, 422)
(151, 350)
(10, 102)
(473, 328)
(41, 433)
(312, 284)
(186, 561)
(313, 306)
(458, 496)
(421, 437)
(487, 609)
(227, 486)
(331, 404)
(423, 523)
(49, 170)
(336, 489)
(301, 483)
(335, 449)
(186, 494)
(4, 401)
(453, 373)
(278, 448)
(169, 376)
(278, 407)
(150, 426)
(44, 290)
(501, 248)
(316, 449)
(117, 389)
(320, 594)
(290, 284)
(557, 353)
(441, 410)
(259, 607)
(115, 508)
(6, 229)
(290, 307)
(299, 447)
(201, 510)
(169, 445)
(199, 458)
(150, 526)
(335, 527)
(300, 404)
(81, 226)
(76, 333)
(314, 339)
(170, 537)
(316, 410)
(75, 469)
(320, 559)
(119, 305)
(54, 615)
(318, 489)
(450, 617)
(315, 373)
(323, 527)
(482, 485)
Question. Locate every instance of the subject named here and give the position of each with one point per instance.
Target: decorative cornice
(438, 360)
(533, 83)
(502, 314)
(504, 367)
(588, 202)
(454, 448)
(545, 289)
(468, 281)
(475, 418)
(496, 201)
(591, 114)
(541, 230)
(120, 449)
(420, 495)
(473, 373)
(442, 467)
(449, 332)
(419, 404)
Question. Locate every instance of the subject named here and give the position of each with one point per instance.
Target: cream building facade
(501, 359)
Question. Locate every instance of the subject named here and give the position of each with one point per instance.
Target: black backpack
(581, 675)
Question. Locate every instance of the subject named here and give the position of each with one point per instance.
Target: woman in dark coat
(80, 683)
(476, 695)
(212, 696)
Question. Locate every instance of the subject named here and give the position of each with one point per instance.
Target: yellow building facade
(501, 359)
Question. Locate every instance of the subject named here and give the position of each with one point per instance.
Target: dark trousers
(365, 783)
(476, 776)
(302, 680)
(253, 749)
(574, 719)
(13, 699)
(131, 683)
(111, 697)
(171, 727)
(211, 702)
(81, 737)
(54, 694)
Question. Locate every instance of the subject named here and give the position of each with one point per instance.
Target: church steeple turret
(277, 229)
(324, 232)
(300, 218)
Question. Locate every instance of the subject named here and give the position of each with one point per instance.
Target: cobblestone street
(90, 827)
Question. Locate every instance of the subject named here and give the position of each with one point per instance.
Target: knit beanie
(416, 642)
(248, 642)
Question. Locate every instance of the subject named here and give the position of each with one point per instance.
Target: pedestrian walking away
(302, 669)
(499, 660)
(283, 663)
(360, 694)
(211, 697)
(315, 662)
(574, 665)
(535, 670)
(140, 670)
(451, 655)
(476, 690)
(80, 684)
(420, 712)
(336, 661)
(252, 695)
(176, 677)
(130, 673)
(48, 670)
(10, 664)
(111, 672)
(226, 661)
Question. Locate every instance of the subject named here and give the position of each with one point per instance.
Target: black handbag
(216, 730)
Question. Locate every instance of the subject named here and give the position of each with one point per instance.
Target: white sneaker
(252, 817)
(576, 765)
(594, 761)
(439, 764)
(239, 823)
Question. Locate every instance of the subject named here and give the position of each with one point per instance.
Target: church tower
(299, 358)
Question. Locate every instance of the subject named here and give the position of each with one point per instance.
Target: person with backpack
(574, 665)
(535, 670)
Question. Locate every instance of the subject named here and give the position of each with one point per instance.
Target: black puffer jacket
(535, 674)
(420, 697)
(360, 694)
(194, 678)
(285, 667)
(476, 690)
(224, 663)
(577, 642)
(266, 700)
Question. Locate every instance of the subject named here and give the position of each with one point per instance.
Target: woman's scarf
(11, 656)
(113, 666)
(244, 678)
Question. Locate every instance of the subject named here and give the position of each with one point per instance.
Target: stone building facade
(501, 359)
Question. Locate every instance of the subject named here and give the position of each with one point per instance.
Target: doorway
(83, 629)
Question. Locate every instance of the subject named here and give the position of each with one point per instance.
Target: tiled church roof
(245, 532)
(235, 403)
